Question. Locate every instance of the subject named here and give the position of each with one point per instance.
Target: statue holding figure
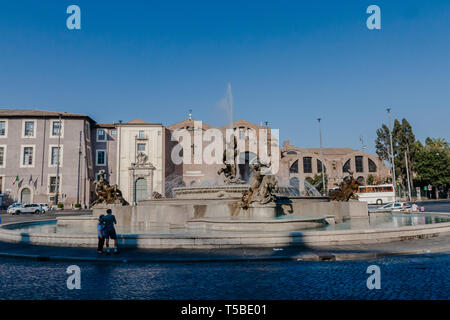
(262, 186)
(229, 171)
(105, 193)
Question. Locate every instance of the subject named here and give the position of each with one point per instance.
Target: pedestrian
(414, 207)
(100, 234)
(110, 231)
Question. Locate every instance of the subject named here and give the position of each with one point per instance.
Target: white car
(26, 208)
(396, 207)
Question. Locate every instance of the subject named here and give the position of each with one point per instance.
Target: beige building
(140, 159)
(299, 163)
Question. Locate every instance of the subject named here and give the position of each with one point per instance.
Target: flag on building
(15, 180)
(31, 179)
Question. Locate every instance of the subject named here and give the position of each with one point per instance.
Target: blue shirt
(109, 220)
(100, 230)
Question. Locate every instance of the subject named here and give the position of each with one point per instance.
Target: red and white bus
(378, 194)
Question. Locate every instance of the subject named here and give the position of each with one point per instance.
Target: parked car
(394, 207)
(17, 204)
(26, 208)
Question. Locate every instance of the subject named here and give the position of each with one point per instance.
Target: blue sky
(288, 62)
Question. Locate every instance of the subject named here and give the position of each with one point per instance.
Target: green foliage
(60, 205)
(317, 182)
(77, 205)
(433, 163)
(404, 145)
(370, 179)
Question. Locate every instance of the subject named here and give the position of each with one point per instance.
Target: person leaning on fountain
(101, 233)
(110, 231)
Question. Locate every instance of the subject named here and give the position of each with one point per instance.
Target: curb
(311, 256)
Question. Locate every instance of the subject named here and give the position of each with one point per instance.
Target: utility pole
(321, 156)
(79, 167)
(58, 163)
(407, 176)
(119, 138)
(392, 156)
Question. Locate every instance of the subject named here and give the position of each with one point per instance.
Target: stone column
(150, 183)
(130, 185)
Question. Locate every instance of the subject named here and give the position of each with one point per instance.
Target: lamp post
(321, 156)
(407, 167)
(58, 163)
(79, 168)
(392, 156)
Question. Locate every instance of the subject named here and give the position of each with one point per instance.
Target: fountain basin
(44, 233)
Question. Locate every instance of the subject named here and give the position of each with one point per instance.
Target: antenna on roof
(363, 146)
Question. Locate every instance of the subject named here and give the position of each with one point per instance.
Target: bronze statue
(157, 195)
(346, 190)
(230, 172)
(105, 193)
(262, 186)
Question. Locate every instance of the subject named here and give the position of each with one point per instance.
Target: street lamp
(58, 162)
(407, 167)
(321, 156)
(392, 155)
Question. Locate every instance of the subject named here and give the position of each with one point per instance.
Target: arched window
(361, 180)
(319, 167)
(372, 166)
(307, 165)
(294, 167)
(291, 152)
(346, 167)
(359, 164)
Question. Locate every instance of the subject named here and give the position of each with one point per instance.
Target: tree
(370, 179)
(403, 145)
(433, 164)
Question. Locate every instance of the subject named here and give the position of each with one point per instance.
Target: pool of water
(386, 222)
(380, 222)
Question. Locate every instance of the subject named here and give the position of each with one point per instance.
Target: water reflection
(380, 222)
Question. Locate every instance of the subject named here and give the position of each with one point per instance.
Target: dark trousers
(101, 242)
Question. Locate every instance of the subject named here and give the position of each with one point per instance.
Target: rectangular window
(113, 132)
(241, 133)
(141, 147)
(2, 156)
(141, 134)
(52, 184)
(54, 156)
(359, 164)
(2, 128)
(101, 135)
(101, 158)
(307, 165)
(56, 128)
(28, 156)
(29, 129)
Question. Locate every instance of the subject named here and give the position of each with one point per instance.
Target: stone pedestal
(262, 211)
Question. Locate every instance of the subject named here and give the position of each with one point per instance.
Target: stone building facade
(138, 157)
(300, 163)
(29, 156)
